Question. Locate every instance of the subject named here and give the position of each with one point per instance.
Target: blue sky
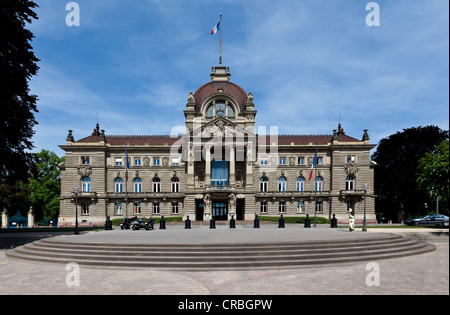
(306, 63)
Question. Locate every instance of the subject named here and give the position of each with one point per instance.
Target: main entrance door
(219, 211)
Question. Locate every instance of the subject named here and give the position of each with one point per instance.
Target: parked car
(431, 219)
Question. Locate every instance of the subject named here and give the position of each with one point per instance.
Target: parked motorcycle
(137, 224)
(150, 224)
(125, 224)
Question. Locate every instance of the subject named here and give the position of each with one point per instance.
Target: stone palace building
(219, 168)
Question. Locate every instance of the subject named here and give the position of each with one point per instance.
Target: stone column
(31, 218)
(232, 178)
(249, 167)
(208, 166)
(190, 169)
(5, 219)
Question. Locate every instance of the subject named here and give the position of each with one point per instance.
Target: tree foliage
(17, 65)
(397, 158)
(45, 186)
(432, 172)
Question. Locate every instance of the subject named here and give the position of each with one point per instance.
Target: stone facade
(220, 168)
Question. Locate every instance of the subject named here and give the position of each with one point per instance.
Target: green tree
(397, 159)
(432, 172)
(45, 186)
(17, 65)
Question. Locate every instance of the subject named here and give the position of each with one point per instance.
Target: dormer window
(220, 109)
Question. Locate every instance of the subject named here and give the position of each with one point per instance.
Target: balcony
(292, 194)
(144, 195)
(84, 196)
(343, 194)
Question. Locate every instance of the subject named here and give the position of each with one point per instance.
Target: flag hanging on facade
(313, 165)
(215, 29)
(127, 164)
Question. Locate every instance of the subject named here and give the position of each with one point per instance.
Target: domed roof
(225, 87)
(220, 83)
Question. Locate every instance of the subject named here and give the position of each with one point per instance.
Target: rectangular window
(300, 207)
(137, 161)
(85, 208)
(319, 206)
(282, 161)
(175, 161)
(174, 207)
(86, 160)
(118, 209)
(263, 207)
(118, 161)
(319, 160)
(137, 208)
(156, 208)
(156, 161)
(263, 161)
(282, 207)
(301, 160)
(351, 159)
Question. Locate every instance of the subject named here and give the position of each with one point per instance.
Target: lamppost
(76, 191)
(365, 188)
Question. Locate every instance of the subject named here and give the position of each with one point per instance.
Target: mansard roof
(133, 140)
(167, 140)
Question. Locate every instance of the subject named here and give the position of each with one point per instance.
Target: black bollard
(187, 224)
(307, 221)
(162, 224)
(232, 222)
(256, 222)
(333, 222)
(108, 224)
(212, 224)
(281, 223)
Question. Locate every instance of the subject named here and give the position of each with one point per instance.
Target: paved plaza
(420, 274)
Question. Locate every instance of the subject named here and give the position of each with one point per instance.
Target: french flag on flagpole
(127, 164)
(215, 29)
(313, 165)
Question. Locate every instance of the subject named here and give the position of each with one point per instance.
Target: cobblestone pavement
(414, 275)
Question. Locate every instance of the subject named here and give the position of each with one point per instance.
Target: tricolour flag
(313, 165)
(127, 164)
(215, 29)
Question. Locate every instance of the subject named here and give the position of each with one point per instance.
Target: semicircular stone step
(202, 257)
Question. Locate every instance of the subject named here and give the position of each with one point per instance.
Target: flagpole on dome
(220, 58)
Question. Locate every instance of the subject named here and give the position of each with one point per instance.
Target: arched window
(263, 184)
(282, 184)
(156, 183)
(300, 184)
(138, 185)
(319, 184)
(118, 185)
(86, 184)
(175, 185)
(220, 109)
(350, 183)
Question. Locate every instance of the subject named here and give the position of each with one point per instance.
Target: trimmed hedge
(116, 222)
(300, 220)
